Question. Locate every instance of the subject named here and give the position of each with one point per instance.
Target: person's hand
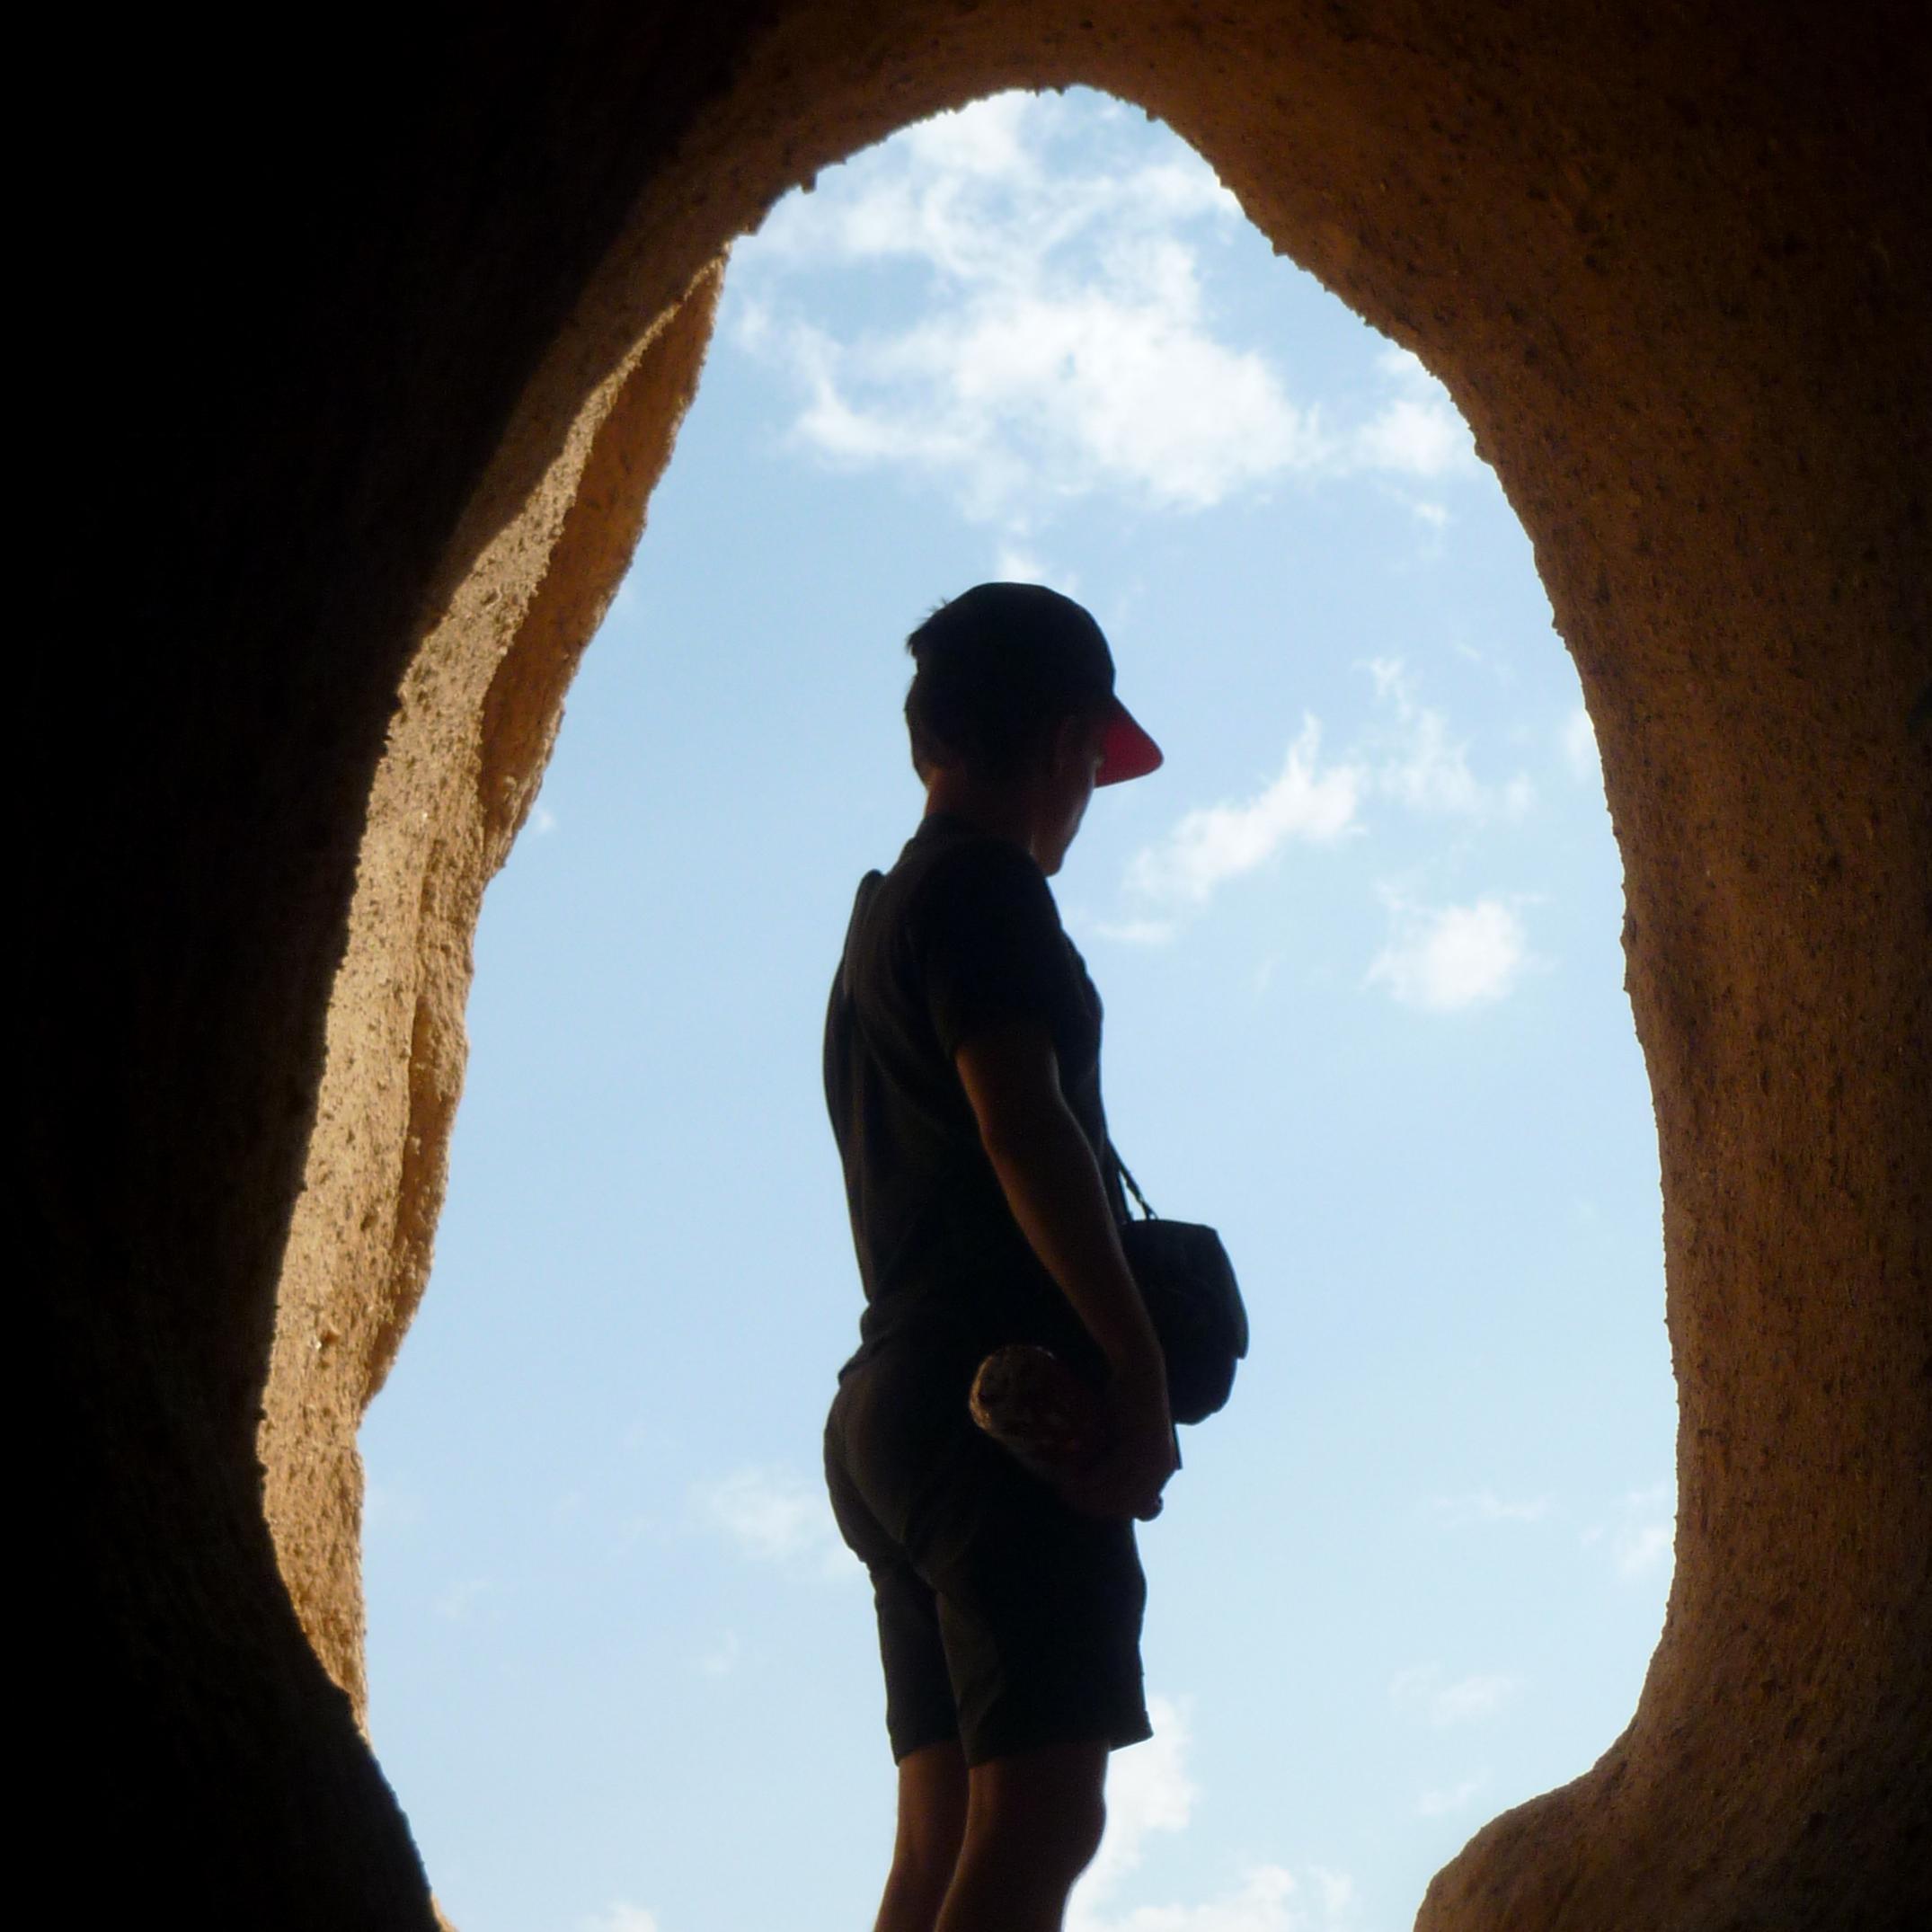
(1140, 1454)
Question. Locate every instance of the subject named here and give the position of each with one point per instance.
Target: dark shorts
(1006, 1619)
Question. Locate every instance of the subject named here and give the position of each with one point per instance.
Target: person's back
(962, 1080)
(960, 933)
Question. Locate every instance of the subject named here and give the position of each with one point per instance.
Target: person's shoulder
(981, 870)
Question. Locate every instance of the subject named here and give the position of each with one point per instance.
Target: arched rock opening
(450, 299)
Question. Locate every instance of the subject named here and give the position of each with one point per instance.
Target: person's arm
(1052, 1184)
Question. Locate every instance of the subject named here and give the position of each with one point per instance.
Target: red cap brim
(1126, 752)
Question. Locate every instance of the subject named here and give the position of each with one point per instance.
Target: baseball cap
(1051, 648)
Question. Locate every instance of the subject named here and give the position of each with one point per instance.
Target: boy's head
(999, 669)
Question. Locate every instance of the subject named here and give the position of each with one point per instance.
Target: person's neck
(1004, 810)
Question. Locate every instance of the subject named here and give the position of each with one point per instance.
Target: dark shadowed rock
(389, 337)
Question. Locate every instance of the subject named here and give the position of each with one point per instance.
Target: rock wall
(418, 312)
(474, 721)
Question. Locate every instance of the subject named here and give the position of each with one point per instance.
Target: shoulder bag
(1188, 1284)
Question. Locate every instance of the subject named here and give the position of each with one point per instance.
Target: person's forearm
(1052, 1184)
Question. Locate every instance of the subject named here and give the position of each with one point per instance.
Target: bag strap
(1133, 1186)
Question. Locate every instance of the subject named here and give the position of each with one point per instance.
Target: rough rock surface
(434, 299)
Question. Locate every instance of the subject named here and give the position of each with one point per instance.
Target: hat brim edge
(1126, 751)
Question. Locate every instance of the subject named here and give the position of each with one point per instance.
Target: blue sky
(1358, 945)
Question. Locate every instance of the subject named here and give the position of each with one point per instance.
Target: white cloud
(1211, 844)
(1579, 738)
(1015, 564)
(1432, 774)
(1485, 1506)
(1471, 1697)
(620, 1915)
(1137, 932)
(1412, 437)
(1640, 1538)
(1415, 432)
(1638, 1550)
(1452, 956)
(985, 140)
(1440, 959)
(1063, 341)
(1439, 1803)
(1421, 1691)
(1269, 1898)
(1418, 764)
(1149, 1790)
(776, 1517)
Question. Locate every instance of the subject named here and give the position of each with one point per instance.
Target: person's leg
(1034, 1822)
(931, 1821)
(921, 1721)
(1006, 1620)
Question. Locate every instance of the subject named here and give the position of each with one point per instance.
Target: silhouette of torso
(962, 933)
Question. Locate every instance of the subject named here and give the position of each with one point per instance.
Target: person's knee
(1048, 1806)
(1085, 1824)
(1062, 1837)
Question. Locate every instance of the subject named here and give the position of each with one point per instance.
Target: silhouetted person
(962, 1076)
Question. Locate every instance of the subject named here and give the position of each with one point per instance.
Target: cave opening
(429, 306)
(1364, 1008)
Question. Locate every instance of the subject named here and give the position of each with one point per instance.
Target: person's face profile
(1074, 764)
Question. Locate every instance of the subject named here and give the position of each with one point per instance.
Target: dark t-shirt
(961, 934)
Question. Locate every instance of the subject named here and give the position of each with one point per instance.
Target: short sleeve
(987, 941)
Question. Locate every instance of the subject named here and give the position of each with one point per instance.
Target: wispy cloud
(1137, 932)
(1441, 1803)
(1014, 562)
(1443, 959)
(1418, 764)
(1638, 1550)
(620, 1915)
(1415, 431)
(1485, 1506)
(1149, 1790)
(1579, 740)
(776, 1517)
(1424, 1690)
(1269, 1897)
(1064, 341)
(1640, 1536)
(1305, 801)
(1450, 957)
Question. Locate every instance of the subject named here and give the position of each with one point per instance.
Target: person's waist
(969, 1318)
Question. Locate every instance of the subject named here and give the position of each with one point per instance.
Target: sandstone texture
(392, 337)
